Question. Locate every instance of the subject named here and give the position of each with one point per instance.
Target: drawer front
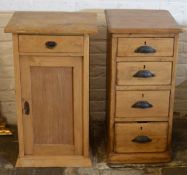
(142, 103)
(144, 73)
(141, 137)
(44, 43)
(145, 47)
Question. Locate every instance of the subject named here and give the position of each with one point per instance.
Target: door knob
(50, 44)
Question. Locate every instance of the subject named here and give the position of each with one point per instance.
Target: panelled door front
(52, 105)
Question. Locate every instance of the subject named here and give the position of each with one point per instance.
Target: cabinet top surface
(141, 21)
(52, 23)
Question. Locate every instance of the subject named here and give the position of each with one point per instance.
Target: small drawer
(140, 137)
(142, 103)
(129, 47)
(144, 73)
(45, 43)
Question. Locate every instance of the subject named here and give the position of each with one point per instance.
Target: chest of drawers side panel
(172, 98)
(111, 74)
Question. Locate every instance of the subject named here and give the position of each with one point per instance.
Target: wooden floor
(9, 151)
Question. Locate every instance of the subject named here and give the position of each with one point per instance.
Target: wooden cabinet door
(51, 90)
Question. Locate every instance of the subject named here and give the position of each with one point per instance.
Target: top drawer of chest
(50, 44)
(132, 47)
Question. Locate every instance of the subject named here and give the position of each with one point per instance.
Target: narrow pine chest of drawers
(51, 57)
(142, 52)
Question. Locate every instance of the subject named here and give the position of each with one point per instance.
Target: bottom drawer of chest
(140, 137)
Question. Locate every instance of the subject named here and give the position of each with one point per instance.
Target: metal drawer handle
(51, 44)
(142, 139)
(26, 108)
(142, 105)
(144, 74)
(145, 49)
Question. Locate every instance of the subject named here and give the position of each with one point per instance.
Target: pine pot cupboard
(51, 58)
(142, 53)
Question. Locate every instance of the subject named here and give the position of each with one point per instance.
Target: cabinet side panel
(18, 94)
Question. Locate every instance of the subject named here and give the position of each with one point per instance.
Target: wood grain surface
(52, 23)
(141, 21)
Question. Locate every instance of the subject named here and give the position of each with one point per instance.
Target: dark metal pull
(142, 139)
(144, 74)
(145, 49)
(50, 44)
(26, 108)
(142, 105)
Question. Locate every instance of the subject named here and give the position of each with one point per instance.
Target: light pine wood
(155, 157)
(141, 21)
(78, 90)
(147, 58)
(55, 132)
(54, 149)
(143, 35)
(54, 110)
(18, 94)
(86, 97)
(132, 29)
(69, 54)
(37, 44)
(176, 45)
(126, 132)
(52, 23)
(53, 161)
(112, 47)
(26, 96)
(159, 87)
(142, 119)
(128, 46)
(158, 99)
(161, 70)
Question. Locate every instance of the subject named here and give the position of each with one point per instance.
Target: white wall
(177, 7)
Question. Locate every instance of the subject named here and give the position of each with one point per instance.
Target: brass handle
(145, 49)
(142, 139)
(144, 74)
(51, 44)
(142, 105)
(26, 108)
